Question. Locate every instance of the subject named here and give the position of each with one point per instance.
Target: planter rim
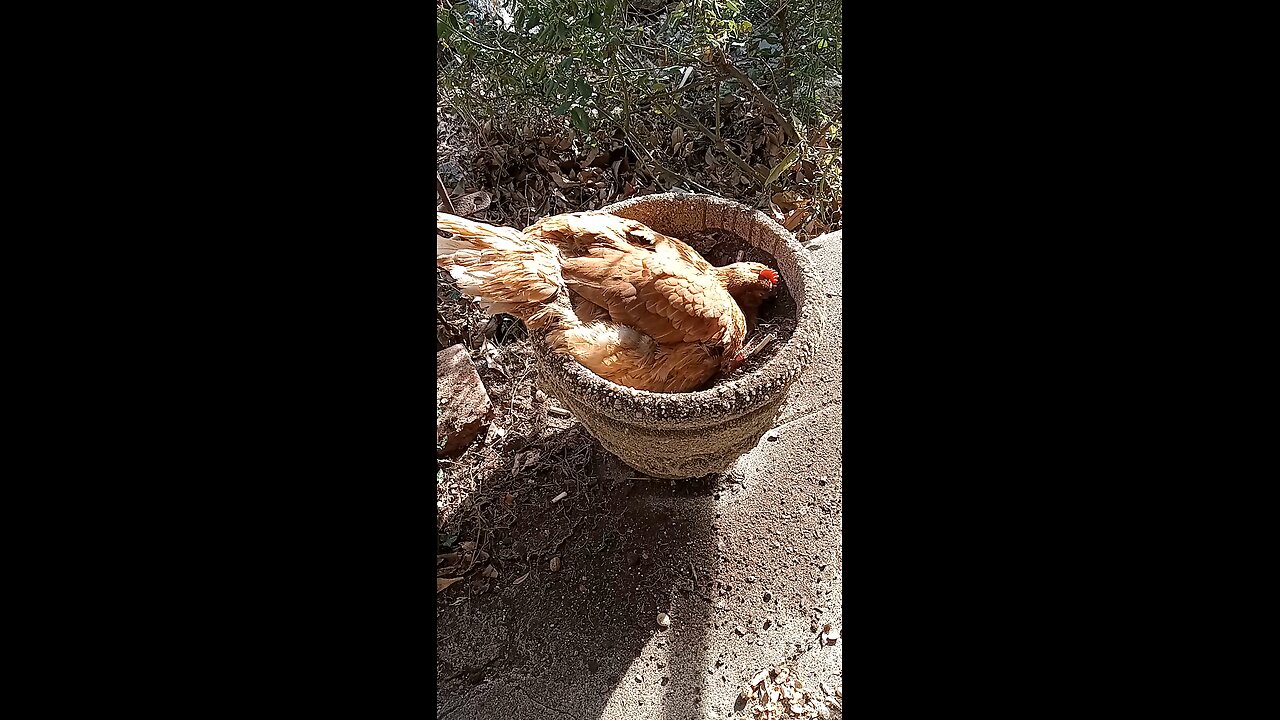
(728, 400)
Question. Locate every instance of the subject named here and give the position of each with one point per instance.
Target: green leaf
(787, 162)
(580, 120)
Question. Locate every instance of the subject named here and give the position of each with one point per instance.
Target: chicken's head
(750, 283)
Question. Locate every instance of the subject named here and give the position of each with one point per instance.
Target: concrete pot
(687, 435)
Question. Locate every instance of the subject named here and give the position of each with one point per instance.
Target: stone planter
(686, 435)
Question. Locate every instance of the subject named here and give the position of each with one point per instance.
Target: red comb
(770, 275)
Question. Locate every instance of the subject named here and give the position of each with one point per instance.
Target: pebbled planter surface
(686, 435)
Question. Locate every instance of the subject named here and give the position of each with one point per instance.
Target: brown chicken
(649, 312)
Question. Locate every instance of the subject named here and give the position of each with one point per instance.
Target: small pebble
(555, 564)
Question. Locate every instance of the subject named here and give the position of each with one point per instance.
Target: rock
(465, 404)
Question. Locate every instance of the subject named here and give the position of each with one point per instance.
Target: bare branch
(732, 70)
(443, 194)
(719, 143)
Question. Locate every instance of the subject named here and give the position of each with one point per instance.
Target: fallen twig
(759, 344)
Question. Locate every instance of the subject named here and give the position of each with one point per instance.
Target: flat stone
(465, 404)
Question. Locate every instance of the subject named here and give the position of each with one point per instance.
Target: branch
(442, 193)
(626, 129)
(719, 143)
(482, 46)
(823, 130)
(723, 62)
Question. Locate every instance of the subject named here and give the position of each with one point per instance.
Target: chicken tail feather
(502, 268)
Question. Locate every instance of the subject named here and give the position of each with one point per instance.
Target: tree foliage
(588, 59)
(721, 74)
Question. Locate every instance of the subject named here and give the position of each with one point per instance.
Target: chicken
(649, 312)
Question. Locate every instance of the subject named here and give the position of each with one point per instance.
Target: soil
(625, 547)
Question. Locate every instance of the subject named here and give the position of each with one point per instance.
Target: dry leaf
(442, 583)
(795, 218)
(677, 137)
(789, 200)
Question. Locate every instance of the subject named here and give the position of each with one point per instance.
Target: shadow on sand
(584, 641)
